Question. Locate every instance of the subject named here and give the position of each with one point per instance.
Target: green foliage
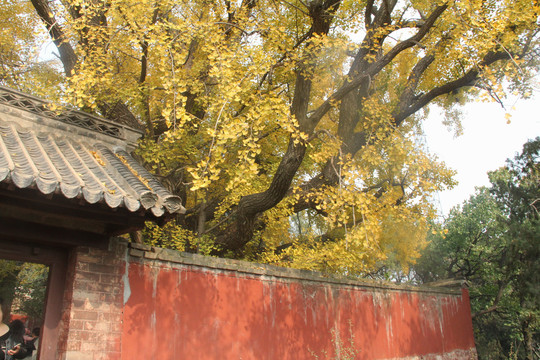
(9, 271)
(493, 242)
(465, 242)
(24, 285)
(31, 290)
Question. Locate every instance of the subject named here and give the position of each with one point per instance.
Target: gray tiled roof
(76, 155)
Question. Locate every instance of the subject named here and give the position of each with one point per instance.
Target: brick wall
(93, 305)
(140, 302)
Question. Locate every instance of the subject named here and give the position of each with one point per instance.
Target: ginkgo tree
(259, 111)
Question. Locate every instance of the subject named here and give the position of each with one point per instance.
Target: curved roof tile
(34, 153)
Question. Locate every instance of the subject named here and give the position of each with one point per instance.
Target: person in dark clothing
(11, 338)
(33, 344)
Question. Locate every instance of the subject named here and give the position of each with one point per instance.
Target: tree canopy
(493, 242)
(23, 287)
(257, 112)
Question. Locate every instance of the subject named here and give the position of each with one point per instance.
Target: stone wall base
(454, 355)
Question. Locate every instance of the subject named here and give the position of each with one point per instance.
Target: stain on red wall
(189, 312)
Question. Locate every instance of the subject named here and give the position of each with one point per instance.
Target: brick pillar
(94, 303)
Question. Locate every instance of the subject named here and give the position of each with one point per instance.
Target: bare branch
(495, 305)
(410, 42)
(376, 67)
(368, 13)
(67, 54)
(412, 83)
(468, 79)
(295, 7)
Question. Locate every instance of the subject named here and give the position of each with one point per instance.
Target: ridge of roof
(41, 150)
(42, 112)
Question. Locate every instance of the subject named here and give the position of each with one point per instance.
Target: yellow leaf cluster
(214, 85)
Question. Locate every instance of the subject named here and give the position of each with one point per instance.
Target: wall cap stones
(143, 251)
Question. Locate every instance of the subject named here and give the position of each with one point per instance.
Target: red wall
(188, 309)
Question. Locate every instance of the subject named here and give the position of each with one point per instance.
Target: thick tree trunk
(250, 206)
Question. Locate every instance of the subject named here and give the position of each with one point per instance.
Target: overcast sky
(486, 143)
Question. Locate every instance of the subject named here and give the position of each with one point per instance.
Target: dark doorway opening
(23, 288)
(49, 265)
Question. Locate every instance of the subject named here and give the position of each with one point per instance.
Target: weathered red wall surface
(175, 310)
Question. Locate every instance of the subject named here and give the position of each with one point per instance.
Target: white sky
(486, 143)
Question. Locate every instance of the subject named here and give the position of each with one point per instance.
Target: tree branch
(250, 206)
(410, 42)
(467, 79)
(368, 13)
(67, 54)
(495, 304)
(412, 83)
(376, 67)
